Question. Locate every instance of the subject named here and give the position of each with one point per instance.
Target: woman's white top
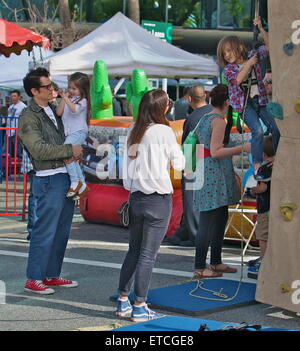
(75, 121)
(149, 172)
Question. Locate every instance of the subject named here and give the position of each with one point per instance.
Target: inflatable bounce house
(103, 153)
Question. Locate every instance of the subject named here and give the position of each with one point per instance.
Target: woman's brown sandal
(227, 269)
(198, 274)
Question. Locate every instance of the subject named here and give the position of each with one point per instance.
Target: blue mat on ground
(176, 298)
(177, 324)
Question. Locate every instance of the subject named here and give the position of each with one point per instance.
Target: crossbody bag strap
(132, 180)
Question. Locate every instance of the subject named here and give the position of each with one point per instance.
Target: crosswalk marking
(102, 264)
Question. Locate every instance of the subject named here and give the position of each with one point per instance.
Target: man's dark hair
(15, 92)
(32, 79)
(219, 95)
(186, 91)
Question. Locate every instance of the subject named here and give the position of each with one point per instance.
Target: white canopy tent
(123, 46)
(15, 67)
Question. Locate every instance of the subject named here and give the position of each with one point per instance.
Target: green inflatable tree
(136, 89)
(101, 95)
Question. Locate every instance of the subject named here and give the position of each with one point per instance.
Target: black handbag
(123, 211)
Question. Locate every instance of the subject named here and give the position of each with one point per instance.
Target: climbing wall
(281, 265)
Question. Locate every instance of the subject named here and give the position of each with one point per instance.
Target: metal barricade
(10, 166)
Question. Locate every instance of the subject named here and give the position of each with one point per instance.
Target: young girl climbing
(238, 67)
(75, 111)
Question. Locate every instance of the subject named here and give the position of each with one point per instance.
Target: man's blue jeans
(253, 113)
(31, 206)
(73, 168)
(52, 227)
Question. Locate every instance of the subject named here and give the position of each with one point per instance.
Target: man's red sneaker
(37, 287)
(60, 283)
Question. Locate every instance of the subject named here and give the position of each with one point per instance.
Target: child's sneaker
(60, 283)
(73, 191)
(124, 308)
(253, 271)
(143, 314)
(37, 287)
(255, 262)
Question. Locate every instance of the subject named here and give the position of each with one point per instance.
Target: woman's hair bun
(219, 95)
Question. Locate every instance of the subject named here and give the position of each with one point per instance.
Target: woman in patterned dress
(217, 188)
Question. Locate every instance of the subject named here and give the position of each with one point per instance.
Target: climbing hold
(287, 211)
(289, 48)
(275, 110)
(285, 288)
(297, 106)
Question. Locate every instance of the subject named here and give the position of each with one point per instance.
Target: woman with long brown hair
(151, 148)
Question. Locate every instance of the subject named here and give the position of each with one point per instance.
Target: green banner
(161, 30)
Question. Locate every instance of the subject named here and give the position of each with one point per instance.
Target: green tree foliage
(181, 12)
(237, 9)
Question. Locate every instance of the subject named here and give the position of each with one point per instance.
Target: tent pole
(167, 11)
(165, 84)
(118, 86)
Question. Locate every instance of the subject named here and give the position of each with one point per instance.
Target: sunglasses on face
(48, 86)
(268, 81)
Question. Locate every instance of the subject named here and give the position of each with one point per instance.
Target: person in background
(262, 191)
(117, 111)
(14, 111)
(185, 235)
(27, 168)
(151, 148)
(182, 105)
(3, 113)
(268, 84)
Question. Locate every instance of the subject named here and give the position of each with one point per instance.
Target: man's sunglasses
(268, 81)
(48, 86)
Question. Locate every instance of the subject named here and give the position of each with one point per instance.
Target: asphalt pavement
(93, 258)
